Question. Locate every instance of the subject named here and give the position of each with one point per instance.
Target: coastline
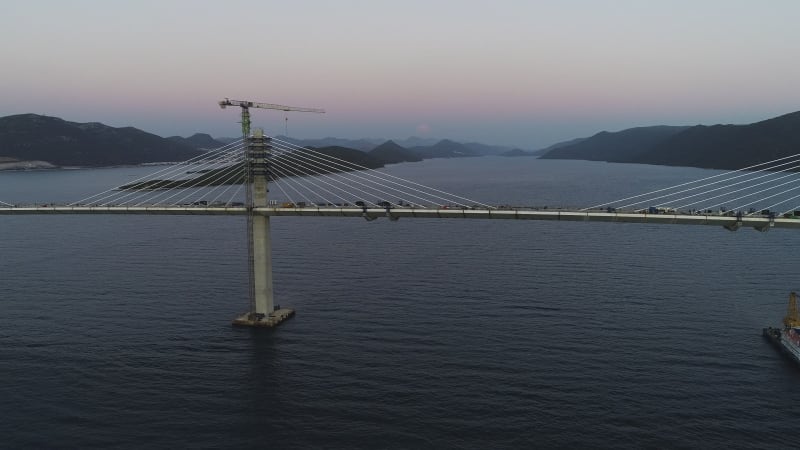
(26, 165)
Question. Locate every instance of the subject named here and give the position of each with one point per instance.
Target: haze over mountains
(51, 141)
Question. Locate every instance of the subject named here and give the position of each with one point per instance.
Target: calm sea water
(115, 330)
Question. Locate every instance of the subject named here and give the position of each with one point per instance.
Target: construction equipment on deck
(792, 318)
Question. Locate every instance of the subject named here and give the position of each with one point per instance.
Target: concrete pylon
(263, 312)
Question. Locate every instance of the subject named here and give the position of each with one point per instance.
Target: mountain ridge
(28, 137)
(703, 146)
(200, 141)
(729, 146)
(392, 153)
(51, 141)
(618, 146)
(35, 141)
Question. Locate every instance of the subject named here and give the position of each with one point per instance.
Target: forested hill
(729, 146)
(391, 153)
(620, 146)
(57, 141)
(713, 147)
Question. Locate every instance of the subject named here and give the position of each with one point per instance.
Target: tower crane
(246, 105)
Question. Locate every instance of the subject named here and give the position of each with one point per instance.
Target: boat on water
(787, 339)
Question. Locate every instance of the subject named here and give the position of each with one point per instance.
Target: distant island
(709, 147)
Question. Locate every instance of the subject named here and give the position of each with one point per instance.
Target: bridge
(312, 183)
(732, 223)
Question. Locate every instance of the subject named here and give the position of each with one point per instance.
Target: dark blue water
(115, 330)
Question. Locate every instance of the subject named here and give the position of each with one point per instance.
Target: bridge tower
(256, 178)
(262, 305)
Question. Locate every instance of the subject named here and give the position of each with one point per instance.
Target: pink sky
(523, 73)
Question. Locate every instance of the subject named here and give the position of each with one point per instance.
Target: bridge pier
(262, 305)
(262, 266)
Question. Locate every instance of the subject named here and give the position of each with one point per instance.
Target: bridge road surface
(760, 223)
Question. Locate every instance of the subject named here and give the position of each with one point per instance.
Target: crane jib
(250, 104)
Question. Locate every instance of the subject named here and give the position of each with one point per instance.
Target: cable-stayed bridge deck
(574, 215)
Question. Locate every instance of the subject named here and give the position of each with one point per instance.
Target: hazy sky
(526, 73)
